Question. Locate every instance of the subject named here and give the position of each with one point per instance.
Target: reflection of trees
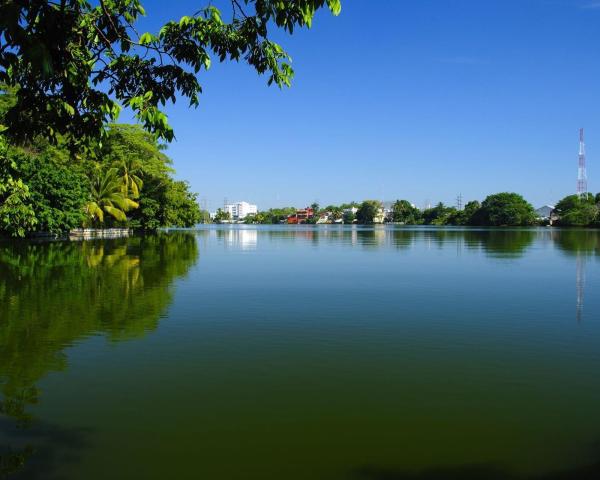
(483, 471)
(403, 238)
(500, 243)
(495, 243)
(52, 294)
(371, 237)
(577, 241)
(581, 244)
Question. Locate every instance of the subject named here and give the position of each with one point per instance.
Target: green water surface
(302, 353)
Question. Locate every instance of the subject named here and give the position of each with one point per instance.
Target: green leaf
(335, 6)
(146, 38)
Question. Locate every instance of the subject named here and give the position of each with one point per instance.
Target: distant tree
(315, 207)
(367, 211)
(472, 213)
(577, 211)
(349, 217)
(403, 211)
(346, 206)
(222, 215)
(469, 215)
(204, 216)
(275, 215)
(507, 209)
(438, 215)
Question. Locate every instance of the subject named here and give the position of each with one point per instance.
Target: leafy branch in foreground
(76, 64)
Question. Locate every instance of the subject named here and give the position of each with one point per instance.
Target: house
(379, 216)
(324, 218)
(301, 216)
(543, 213)
(547, 214)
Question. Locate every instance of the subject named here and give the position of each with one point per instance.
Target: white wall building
(241, 210)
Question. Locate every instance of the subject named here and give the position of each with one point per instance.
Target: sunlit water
(302, 353)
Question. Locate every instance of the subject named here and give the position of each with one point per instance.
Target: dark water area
(302, 353)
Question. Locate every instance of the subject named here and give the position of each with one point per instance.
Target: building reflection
(244, 239)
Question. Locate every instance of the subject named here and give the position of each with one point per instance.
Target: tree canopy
(367, 211)
(75, 64)
(404, 212)
(577, 211)
(129, 183)
(506, 209)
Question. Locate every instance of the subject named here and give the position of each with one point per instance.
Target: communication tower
(582, 186)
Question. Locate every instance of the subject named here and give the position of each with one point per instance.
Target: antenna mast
(581, 171)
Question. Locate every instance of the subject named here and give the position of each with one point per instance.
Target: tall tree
(17, 216)
(438, 215)
(403, 211)
(58, 191)
(129, 169)
(574, 210)
(367, 211)
(506, 209)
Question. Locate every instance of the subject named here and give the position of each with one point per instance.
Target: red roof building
(301, 216)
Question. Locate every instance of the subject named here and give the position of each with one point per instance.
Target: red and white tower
(581, 172)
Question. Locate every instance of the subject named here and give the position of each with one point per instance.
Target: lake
(328, 352)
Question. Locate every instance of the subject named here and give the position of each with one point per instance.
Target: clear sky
(420, 100)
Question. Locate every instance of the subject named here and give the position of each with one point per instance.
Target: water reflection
(54, 294)
(475, 472)
(580, 285)
(240, 238)
(500, 243)
(582, 244)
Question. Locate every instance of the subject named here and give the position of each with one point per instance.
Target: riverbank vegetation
(578, 211)
(503, 209)
(68, 68)
(128, 183)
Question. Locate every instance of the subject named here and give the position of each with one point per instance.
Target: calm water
(302, 353)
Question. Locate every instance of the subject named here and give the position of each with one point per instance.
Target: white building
(544, 212)
(241, 210)
(379, 216)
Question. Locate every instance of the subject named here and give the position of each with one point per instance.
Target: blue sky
(420, 100)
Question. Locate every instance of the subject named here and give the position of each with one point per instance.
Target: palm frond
(116, 213)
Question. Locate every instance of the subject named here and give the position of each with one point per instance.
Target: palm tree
(130, 171)
(107, 196)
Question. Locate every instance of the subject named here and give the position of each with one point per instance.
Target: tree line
(501, 209)
(128, 181)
